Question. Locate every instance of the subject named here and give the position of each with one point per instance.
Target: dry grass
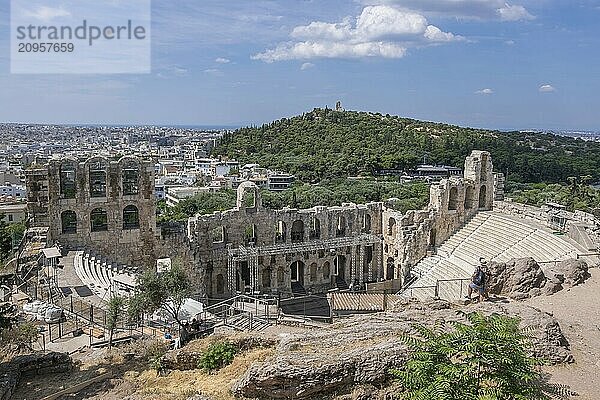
(182, 384)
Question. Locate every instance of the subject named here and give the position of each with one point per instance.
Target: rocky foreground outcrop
(362, 349)
(523, 278)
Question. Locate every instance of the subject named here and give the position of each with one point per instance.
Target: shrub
(489, 358)
(217, 356)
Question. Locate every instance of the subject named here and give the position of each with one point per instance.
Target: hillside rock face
(362, 349)
(523, 278)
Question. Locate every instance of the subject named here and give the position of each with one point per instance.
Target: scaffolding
(250, 255)
(244, 253)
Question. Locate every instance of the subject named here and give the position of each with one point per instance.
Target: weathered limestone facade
(104, 206)
(254, 249)
(409, 237)
(108, 207)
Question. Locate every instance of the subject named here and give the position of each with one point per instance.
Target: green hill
(326, 144)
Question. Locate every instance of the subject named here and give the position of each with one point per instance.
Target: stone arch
(368, 259)
(297, 231)
(281, 232)
(297, 272)
(315, 232)
(97, 174)
(340, 229)
(130, 176)
(470, 200)
(432, 237)
(68, 179)
(220, 284)
(250, 234)
(453, 199)
(68, 221)
(313, 272)
(248, 196)
(367, 223)
(217, 235)
(131, 217)
(266, 278)
(483, 196)
(340, 266)
(326, 270)
(99, 220)
(484, 166)
(392, 227)
(390, 268)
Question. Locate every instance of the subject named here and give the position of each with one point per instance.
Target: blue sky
(522, 64)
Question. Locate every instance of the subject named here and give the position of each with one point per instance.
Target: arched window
(367, 223)
(484, 167)
(68, 222)
(131, 217)
(98, 179)
(266, 278)
(217, 235)
(281, 232)
(99, 220)
(315, 232)
(297, 272)
(250, 234)
(67, 180)
(313, 272)
(482, 197)
(368, 259)
(326, 270)
(341, 227)
(391, 227)
(220, 284)
(453, 200)
(130, 177)
(297, 231)
(470, 198)
(391, 269)
(280, 276)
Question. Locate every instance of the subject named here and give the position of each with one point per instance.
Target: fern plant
(485, 359)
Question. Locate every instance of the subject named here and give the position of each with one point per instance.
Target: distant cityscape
(181, 155)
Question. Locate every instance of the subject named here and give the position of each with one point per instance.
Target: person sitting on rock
(478, 280)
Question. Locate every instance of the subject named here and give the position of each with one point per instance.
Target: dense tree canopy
(413, 196)
(327, 144)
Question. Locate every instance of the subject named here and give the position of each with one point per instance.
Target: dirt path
(578, 312)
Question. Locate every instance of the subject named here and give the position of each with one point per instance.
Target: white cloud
(435, 34)
(309, 50)
(47, 14)
(509, 42)
(475, 9)
(486, 91)
(547, 89)
(169, 71)
(379, 31)
(222, 60)
(514, 13)
(306, 66)
(213, 71)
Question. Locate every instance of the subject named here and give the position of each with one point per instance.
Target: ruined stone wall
(409, 237)
(251, 225)
(70, 184)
